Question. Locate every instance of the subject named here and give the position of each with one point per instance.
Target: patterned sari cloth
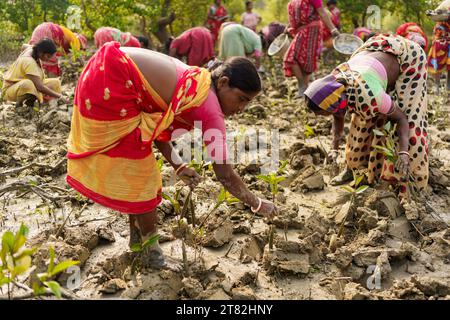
(117, 115)
(364, 104)
(61, 36)
(439, 56)
(304, 25)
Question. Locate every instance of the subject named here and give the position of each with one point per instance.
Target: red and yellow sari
(116, 117)
(304, 25)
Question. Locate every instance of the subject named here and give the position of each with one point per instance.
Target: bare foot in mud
(154, 258)
(344, 177)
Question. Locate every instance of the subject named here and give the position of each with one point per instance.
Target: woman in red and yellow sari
(304, 25)
(129, 98)
(217, 14)
(64, 40)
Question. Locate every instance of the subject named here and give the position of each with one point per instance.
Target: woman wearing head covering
(239, 41)
(107, 34)
(413, 32)
(385, 80)
(25, 81)
(304, 25)
(129, 98)
(195, 44)
(439, 55)
(64, 39)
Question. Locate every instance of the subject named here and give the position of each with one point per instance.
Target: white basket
(347, 43)
(279, 46)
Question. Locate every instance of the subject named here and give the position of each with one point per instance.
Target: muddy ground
(229, 258)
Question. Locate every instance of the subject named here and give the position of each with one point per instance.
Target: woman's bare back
(158, 69)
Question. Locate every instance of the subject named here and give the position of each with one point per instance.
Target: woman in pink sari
(304, 25)
(64, 39)
(107, 34)
(196, 44)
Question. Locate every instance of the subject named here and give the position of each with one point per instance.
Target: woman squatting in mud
(385, 80)
(129, 98)
(25, 81)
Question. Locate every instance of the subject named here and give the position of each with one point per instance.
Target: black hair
(247, 3)
(312, 106)
(45, 46)
(143, 40)
(241, 72)
(330, 2)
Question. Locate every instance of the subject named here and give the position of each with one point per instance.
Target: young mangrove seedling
(354, 188)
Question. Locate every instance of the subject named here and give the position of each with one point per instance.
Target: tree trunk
(86, 18)
(145, 33)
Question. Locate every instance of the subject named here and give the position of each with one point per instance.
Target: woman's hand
(268, 209)
(402, 166)
(190, 177)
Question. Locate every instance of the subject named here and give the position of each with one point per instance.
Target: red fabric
(107, 34)
(133, 42)
(214, 25)
(83, 41)
(439, 56)
(52, 31)
(197, 44)
(304, 25)
(412, 27)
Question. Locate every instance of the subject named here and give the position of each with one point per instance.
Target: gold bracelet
(184, 165)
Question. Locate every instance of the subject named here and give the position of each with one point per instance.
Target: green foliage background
(18, 18)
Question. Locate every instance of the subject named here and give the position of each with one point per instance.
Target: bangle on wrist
(184, 165)
(259, 206)
(404, 152)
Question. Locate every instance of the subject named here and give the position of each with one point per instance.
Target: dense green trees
(142, 16)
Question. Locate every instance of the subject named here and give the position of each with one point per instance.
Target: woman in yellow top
(25, 81)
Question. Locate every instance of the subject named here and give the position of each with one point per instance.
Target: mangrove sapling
(140, 249)
(309, 132)
(354, 188)
(44, 283)
(274, 179)
(16, 260)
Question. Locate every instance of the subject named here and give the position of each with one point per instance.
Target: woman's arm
(166, 149)
(43, 88)
(338, 130)
(400, 118)
(327, 20)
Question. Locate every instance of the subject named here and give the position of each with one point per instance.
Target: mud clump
(309, 180)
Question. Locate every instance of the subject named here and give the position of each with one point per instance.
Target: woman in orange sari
(304, 25)
(64, 40)
(129, 98)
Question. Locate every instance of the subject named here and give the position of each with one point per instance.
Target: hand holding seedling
(268, 209)
(189, 176)
(403, 165)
